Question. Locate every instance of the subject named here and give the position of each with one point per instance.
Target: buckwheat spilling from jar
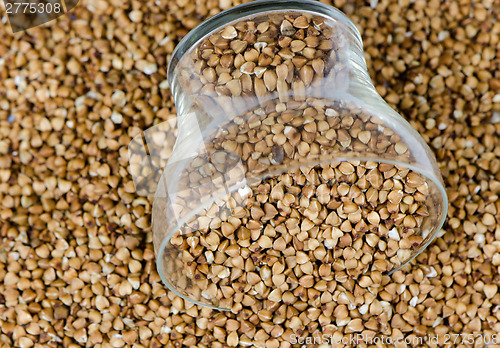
(314, 236)
(77, 267)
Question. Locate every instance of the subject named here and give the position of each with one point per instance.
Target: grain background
(76, 256)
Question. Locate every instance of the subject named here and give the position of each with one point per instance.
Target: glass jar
(289, 169)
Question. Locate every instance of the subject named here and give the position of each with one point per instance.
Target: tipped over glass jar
(290, 175)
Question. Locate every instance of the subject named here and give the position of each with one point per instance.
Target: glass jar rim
(420, 249)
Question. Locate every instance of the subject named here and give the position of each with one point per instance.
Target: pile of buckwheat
(76, 256)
